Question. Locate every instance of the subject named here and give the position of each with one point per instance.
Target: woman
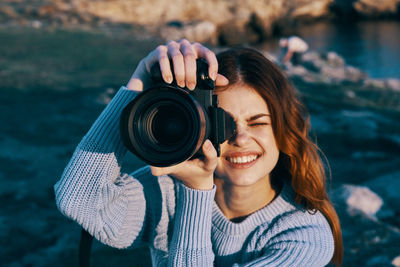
(261, 203)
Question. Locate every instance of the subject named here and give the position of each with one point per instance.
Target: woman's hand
(196, 173)
(183, 55)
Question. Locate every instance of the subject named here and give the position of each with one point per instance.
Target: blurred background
(62, 61)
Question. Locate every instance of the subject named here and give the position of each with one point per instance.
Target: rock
(387, 186)
(396, 261)
(64, 6)
(366, 8)
(46, 11)
(36, 24)
(65, 19)
(202, 31)
(236, 22)
(256, 17)
(234, 33)
(374, 83)
(29, 11)
(393, 84)
(355, 75)
(312, 61)
(334, 60)
(335, 75)
(350, 94)
(390, 83)
(314, 9)
(9, 12)
(358, 199)
(327, 68)
(373, 8)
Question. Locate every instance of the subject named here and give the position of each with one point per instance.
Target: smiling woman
(264, 89)
(247, 158)
(261, 203)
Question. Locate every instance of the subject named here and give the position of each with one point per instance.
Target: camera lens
(168, 124)
(163, 126)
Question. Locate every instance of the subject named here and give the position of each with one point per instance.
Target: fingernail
(168, 79)
(181, 84)
(191, 86)
(213, 76)
(207, 144)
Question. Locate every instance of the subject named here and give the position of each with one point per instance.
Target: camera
(166, 124)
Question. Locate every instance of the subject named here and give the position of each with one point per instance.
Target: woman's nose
(240, 136)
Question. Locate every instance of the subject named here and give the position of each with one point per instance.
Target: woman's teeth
(245, 159)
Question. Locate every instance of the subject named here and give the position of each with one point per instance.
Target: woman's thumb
(210, 156)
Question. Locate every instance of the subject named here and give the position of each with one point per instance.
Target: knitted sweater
(182, 226)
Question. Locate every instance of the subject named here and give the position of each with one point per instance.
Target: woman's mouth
(242, 161)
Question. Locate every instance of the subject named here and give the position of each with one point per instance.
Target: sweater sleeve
(93, 192)
(191, 241)
(300, 239)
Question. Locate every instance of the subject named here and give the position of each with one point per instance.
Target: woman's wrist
(199, 185)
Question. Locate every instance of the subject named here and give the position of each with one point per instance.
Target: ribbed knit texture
(182, 226)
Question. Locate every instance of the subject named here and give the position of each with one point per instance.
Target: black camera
(166, 124)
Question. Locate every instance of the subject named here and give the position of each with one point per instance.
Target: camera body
(166, 124)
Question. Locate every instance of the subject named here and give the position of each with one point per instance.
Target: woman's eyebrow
(252, 118)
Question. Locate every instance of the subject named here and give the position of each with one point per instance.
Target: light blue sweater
(182, 226)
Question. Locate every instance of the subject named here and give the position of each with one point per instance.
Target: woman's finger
(165, 67)
(189, 57)
(159, 56)
(221, 80)
(209, 55)
(178, 62)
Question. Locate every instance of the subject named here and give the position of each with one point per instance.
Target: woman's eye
(259, 124)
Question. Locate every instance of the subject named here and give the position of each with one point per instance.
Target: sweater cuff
(193, 217)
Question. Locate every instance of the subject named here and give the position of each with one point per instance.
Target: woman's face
(252, 153)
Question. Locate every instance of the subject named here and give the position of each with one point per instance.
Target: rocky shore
(366, 198)
(223, 22)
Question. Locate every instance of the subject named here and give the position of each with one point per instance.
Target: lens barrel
(164, 126)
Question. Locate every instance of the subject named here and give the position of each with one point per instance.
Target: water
(372, 46)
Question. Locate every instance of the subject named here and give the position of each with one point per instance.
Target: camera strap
(85, 246)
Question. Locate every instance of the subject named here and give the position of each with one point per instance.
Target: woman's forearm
(92, 191)
(191, 242)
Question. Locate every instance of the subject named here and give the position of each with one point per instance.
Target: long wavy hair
(300, 158)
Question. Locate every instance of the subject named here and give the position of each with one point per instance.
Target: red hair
(299, 158)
